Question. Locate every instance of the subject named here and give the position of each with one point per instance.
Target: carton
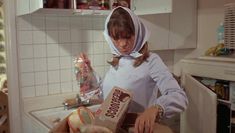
(128, 126)
(113, 110)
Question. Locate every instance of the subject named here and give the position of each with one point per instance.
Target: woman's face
(124, 45)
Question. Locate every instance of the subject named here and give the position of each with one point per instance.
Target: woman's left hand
(145, 122)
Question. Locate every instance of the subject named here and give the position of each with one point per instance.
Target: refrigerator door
(201, 114)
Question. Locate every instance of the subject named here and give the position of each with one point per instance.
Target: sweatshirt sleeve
(173, 98)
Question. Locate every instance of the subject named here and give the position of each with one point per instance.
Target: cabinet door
(183, 24)
(35, 5)
(201, 113)
(158, 24)
(22, 7)
(28, 6)
(142, 7)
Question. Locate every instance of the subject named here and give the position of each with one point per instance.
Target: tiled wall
(48, 43)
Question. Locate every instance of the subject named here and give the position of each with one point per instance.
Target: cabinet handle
(229, 72)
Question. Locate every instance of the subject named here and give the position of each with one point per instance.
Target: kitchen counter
(33, 107)
(52, 116)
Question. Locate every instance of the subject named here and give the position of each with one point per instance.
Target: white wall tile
(100, 70)
(54, 76)
(98, 60)
(52, 36)
(27, 79)
(76, 35)
(98, 48)
(52, 50)
(65, 75)
(98, 35)
(76, 22)
(76, 49)
(39, 51)
(26, 51)
(40, 78)
(106, 48)
(39, 37)
(25, 37)
(51, 22)
(38, 22)
(98, 23)
(65, 62)
(47, 46)
(41, 90)
(54, 88)
(53, 63)
(88, 48)
(64, 36)
(28, 92)
(24, 22)
(26, 65)
(76, 87)
(87, 36)
(86, 22)
(64, 23)
(40, 64)
(66, 87)
(65, 50)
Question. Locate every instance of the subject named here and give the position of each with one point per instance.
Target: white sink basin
(50, 117)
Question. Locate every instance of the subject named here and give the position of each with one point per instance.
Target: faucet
(75, 102)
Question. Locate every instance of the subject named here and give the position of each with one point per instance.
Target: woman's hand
(145, 122)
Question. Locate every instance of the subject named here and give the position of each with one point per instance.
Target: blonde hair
(138, 61)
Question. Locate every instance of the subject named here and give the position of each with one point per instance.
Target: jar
(82, 4)
(104, 4)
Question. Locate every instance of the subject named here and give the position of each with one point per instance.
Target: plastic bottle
(220, 34)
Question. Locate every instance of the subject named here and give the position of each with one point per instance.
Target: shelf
(224, 101)
(72, 11)
(219, 58)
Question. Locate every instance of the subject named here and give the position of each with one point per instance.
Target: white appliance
(206, 112)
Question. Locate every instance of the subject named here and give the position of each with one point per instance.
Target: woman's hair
(121, 25)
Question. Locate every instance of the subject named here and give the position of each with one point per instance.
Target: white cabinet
(159, 28)
(183, 24)
(208, 111)
(140, 7)
(152, 6)
(175, 30)
(200, 116)
(28, 6)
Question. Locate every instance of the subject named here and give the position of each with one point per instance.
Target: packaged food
(79, 118)
(86, 78)
(113, 110)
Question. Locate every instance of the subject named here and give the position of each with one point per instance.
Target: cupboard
(173, 23)
(140, 7)
(207, 111)
(175, 30)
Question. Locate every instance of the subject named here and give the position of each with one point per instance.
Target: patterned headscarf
(141, 34)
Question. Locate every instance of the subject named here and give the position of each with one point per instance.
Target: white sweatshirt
(145, 81)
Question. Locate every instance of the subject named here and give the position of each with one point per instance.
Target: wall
(47, 45)
(210, 15)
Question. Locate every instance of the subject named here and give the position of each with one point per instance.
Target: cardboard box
(113, 110)
(127, 126)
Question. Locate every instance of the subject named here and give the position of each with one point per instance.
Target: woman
(143, 73)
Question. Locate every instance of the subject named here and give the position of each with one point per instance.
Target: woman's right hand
(86, 60)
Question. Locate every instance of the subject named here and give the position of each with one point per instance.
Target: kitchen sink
(52, 116)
